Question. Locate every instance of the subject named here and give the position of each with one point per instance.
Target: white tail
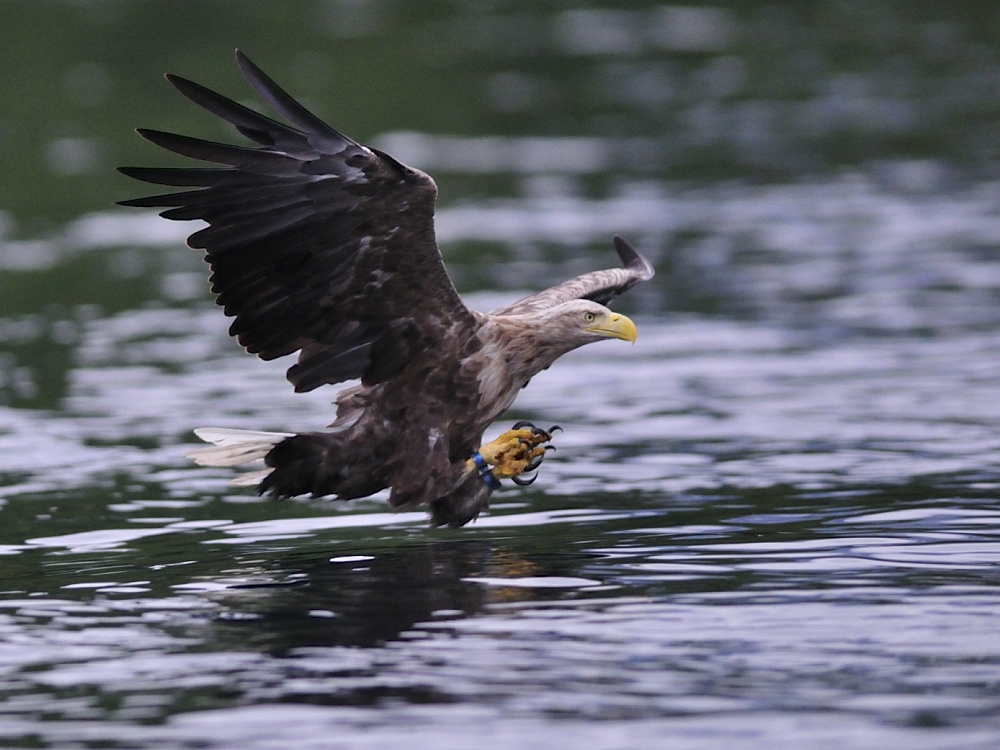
(236, 448)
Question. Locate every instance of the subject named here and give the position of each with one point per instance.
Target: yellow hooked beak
(616, 327)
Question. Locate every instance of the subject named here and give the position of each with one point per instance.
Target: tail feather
(251, 478)
(236, 448)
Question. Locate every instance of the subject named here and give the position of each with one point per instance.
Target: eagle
(325, 247)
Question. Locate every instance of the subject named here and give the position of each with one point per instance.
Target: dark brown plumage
(322, 246)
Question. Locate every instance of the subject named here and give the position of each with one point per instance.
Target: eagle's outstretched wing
(599, 286)
(317, 243)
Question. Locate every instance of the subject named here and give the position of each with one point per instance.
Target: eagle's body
(322, 246)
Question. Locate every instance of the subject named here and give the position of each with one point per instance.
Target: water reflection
(830, 259)
(712, 617)
(361, 600)
(746, 521)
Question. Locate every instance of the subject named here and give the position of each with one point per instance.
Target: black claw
(535, 463)
(524, 424)
(550, 447)
(555, 427)
(524, 482)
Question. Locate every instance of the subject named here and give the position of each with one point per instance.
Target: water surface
(772, 523)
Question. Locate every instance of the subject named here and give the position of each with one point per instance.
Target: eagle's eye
(590, 317)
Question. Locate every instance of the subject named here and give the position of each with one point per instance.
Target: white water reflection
(859, 251)
(698, 671)
(727, 486)
(536, 582)
(696, 404)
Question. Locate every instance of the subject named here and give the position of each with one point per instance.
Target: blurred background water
(773, 523)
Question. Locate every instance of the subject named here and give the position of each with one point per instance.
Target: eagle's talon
(517, 451)
(536, 431)
(555, 427)
(535, 462)
(524, 482)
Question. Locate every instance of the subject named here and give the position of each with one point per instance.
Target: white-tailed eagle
(322, 246)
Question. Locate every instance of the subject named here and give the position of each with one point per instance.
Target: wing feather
(256, 160)
(599, 286)
(288, 108)
(177, 177)
(252, 124)
(317, 243)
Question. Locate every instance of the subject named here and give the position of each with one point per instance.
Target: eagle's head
(532, 341)
(581, 321)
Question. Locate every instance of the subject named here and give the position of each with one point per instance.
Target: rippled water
(778, 529)
(772, 523)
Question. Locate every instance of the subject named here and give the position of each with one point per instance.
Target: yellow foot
(517, 451)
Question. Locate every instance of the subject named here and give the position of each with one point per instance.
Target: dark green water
(773, 523)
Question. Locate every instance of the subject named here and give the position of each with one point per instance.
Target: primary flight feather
(322, 246)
